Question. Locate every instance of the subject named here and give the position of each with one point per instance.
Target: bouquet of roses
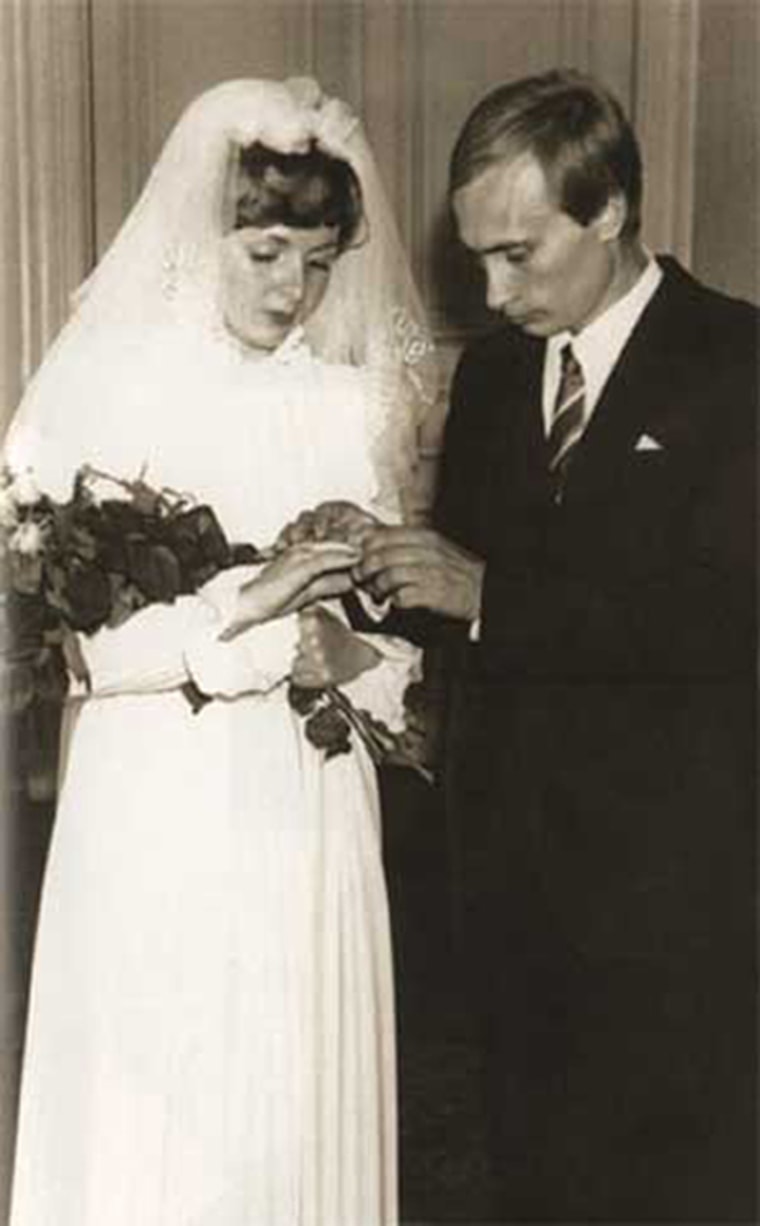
(115, 547)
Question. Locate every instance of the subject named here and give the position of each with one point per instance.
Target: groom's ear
(610, 222)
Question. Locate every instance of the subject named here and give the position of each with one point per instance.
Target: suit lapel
(519, 450)
(631, 404)
(516, 490)
(628, 403)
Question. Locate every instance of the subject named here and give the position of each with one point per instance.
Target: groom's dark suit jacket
(601, 766)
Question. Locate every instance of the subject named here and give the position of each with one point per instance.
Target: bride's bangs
(302, 190)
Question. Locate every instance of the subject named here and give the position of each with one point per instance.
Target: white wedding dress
(211, 1034)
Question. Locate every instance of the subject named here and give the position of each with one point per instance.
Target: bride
(210, 1035)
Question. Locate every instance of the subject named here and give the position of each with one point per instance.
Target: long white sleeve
(254, 662)
(146, 653)
(164, 646)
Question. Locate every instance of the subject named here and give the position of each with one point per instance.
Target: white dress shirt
(598, 346)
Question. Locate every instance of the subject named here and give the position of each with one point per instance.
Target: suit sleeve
(467, 441)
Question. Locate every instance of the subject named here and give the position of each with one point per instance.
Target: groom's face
(545, 272)
(273, 278)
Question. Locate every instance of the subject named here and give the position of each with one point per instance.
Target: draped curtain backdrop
(90, 88)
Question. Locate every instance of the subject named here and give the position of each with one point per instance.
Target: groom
(594, 545)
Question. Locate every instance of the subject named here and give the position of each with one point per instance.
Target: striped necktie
(568, 419)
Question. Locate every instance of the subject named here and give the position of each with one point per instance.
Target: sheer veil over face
(162, 276)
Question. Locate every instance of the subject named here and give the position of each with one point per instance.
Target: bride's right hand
(307, 572)
(336, 520)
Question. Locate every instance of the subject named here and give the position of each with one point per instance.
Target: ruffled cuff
(144, 654)
(380, 690)
(254, 662)
(163, 646)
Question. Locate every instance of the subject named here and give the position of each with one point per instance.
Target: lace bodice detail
(259, 439)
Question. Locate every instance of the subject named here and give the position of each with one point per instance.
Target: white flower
(334, 125)
(277, 120)
(27, 539)
(25, 489)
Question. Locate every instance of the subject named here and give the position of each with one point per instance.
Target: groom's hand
(420, 569)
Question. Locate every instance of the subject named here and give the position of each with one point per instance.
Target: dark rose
(86, 597)
(244, 555)
(112, 518)
(199, 545)
(109, 526)
(126, 599)
(82, 542)
(303, 700)
(153, 569)
(327, 729)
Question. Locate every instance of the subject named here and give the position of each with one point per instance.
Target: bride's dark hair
(304, 190)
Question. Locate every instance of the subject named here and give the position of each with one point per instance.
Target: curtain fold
(664, 115)
(45, 251)
(45, 164)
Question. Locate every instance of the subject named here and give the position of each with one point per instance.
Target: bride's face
(273, 278)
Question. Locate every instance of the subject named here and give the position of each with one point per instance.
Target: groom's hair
(303, 190)
(573, 126)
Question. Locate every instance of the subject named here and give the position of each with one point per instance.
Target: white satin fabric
(210, 1039)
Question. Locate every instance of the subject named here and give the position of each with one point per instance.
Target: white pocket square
(646, 443)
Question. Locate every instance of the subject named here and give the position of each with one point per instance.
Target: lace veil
(162, 273)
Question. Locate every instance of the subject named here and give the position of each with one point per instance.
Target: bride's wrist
(239, 623)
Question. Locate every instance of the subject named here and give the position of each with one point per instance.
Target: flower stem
(382, 745)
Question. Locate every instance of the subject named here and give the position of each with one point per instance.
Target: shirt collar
(293, 349)
(618, 318)
(599, 345)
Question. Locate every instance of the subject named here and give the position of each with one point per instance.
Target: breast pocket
(636, 518)
(647, 481)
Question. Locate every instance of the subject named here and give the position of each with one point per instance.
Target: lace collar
(294, 350)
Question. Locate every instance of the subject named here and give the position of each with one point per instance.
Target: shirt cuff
(377, 610)
(254, 662)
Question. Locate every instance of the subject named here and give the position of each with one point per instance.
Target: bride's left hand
(293, 580)
(328, 652)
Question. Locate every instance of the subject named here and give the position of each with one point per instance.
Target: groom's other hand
(417, 568)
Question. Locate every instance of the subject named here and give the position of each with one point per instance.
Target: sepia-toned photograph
(379, 385)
